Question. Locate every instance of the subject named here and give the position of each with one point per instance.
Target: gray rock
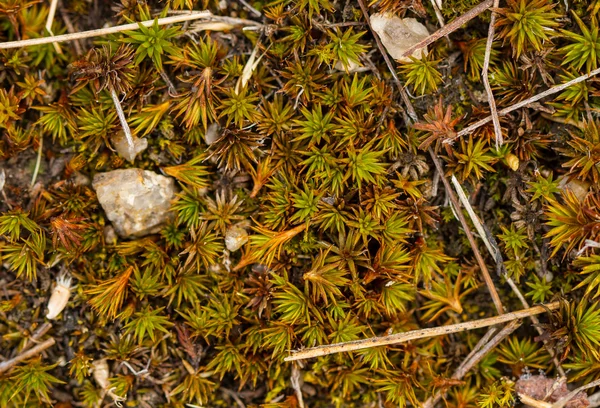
(136, 201)
(119, 142)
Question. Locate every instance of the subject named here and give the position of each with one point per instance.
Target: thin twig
(296, 380)
(535, 98)
(438, 13)
(123, 121)
(494, 251)
(250, 8)
(418, 334)
(484, 270)
(450, 27)
(197, 15)
(50, 20)
(7, 365)
(34, 338)
(38, 162)
(486, 80)
(409, 108)
(474, 358)
(71, 29)
(563, 401)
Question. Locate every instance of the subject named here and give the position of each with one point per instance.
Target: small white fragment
(121, 145)
(235, 238)
(100, 373)
(399, 34)
(212, 133)
(60, 297)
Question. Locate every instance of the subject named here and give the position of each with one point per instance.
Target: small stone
(119, 142)
(579, 188)
(212, 133)
(235, 238)
(399, 34)
(136, 201)
(351, 68)
(512, 161)
(110, 236)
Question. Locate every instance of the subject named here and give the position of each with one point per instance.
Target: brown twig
(188, 16)
(475, 357)
(486, 80)
(7, 365)
(484, 270)
(418, 334)
(494, 251)
(71, 29)
(450, 27)
(535, 98)
(563, 401)
(38, 334)
(409, 108)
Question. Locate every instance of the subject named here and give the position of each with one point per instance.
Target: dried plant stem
(486, 80)
(563, 401)
(450, 27)
(50, 20)
(418, 334)
(494, 251)
(43, 329)
(38, 162)
(123, 121)
(296, 380)
(250, 8)
(7, 365)
(438, 13)
(475, 357)
(71, 29)
(409, 108)
(535, 98)
(188, 16)
(484, 270)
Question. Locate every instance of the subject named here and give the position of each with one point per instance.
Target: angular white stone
(119, 142)
(399, 34)
(136, 201)
(235, 238)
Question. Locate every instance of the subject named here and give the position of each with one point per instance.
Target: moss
(273, 131)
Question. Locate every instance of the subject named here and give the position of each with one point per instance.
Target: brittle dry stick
(484, 271)
(7, 365)
(197, 15)
(535, 98)
(418, 334)
(486, 80)
(475, 357)
(494, 251)
(450, 27)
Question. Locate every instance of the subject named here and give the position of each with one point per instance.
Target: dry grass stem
(494, 251)
(451, 26)
(563, 401)
(418, 334)
(123, 121)
(486, 79)
(482, 348)
(7, 365)
(547, 92)
(50, 20)
(484, 270)
(180, 18)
